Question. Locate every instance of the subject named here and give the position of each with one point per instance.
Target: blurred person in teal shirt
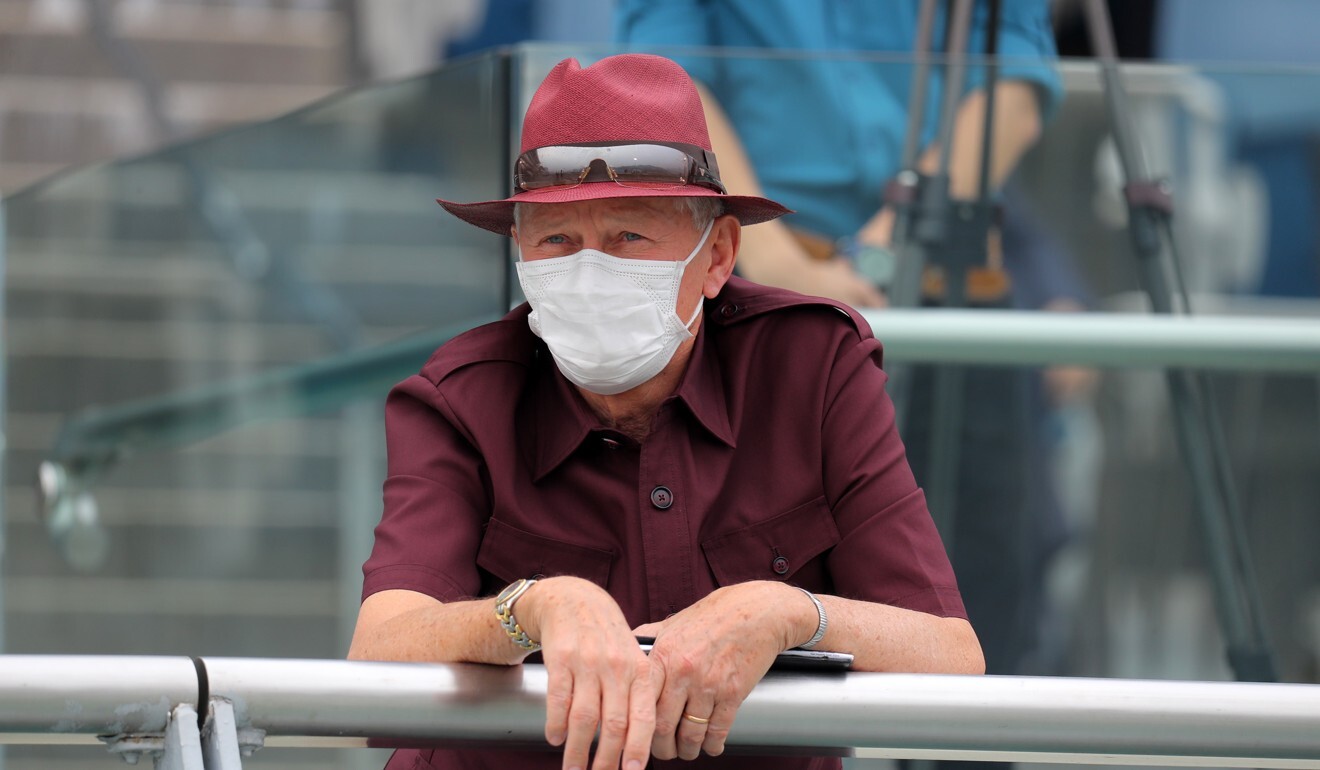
(807, 102)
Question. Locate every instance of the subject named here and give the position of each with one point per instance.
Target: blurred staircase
(64, 102)
(231, 545)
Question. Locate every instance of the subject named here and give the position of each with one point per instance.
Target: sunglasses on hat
(648, 164)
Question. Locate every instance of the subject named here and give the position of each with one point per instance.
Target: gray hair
(702, 209)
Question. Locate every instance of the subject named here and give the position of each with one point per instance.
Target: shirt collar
(562, 420)
(702, 386)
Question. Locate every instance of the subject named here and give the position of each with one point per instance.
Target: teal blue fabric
(818, 91)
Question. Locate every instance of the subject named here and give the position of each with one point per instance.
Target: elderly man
(650, 446)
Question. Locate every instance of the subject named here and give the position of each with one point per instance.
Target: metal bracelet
(504, 611)
(823, 623)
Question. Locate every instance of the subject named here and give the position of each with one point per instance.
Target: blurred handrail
(1014, 337)
(98, 436)
(334, 703)
(90, 443)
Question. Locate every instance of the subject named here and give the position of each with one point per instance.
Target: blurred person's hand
(773, 255)
(1069, 384)
(837, 279)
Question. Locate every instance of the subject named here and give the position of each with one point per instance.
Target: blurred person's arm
(1017, 127)
(1027, 92)
(770, 254)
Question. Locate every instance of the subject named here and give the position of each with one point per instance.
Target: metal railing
(1012, 337)
(150, 706)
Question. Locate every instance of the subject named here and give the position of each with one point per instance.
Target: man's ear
(725, 237)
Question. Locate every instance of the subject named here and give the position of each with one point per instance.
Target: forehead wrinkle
(618, 212)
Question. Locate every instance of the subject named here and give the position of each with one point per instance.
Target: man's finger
(693, 723)
(614, 713)
(558, 699)
(668, 710)
(648, 629)
(583, 716)
(717, 732)
(641, 724)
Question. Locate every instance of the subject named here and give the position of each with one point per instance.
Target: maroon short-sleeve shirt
(776, 459)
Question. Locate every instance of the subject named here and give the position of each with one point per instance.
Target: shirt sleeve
(889, 551)
(655, 24)
(435, 505)
(1026, 49)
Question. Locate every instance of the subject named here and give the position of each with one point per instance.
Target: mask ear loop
(702, 301)
(695, 312)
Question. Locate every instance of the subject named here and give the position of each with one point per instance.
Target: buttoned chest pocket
(790, 547)
(510, 553)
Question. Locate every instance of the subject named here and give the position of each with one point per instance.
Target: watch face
(509, 590)
(877, 264)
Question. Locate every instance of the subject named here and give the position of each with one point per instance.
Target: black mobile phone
(793, 660)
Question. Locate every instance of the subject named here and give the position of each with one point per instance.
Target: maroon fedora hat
(630, 99)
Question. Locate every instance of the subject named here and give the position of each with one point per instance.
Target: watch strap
(504, 611)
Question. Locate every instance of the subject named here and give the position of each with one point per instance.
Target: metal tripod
(932, 228)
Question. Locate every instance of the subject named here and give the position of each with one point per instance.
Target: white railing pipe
(319, 703)
(1006, 337)
(314, 703)
(74, 698)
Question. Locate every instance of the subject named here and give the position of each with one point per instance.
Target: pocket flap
(510, 553)
(774, 549)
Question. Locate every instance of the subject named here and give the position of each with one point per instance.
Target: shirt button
(730, 310)
(779, 565)
(662, 498)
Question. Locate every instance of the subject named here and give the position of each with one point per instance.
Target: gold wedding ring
(695, 720)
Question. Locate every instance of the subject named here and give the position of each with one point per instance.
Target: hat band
(630, 164)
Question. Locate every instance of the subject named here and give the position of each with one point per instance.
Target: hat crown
(625, 98)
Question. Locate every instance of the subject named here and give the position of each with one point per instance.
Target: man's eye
(556, 239)
(632, 237)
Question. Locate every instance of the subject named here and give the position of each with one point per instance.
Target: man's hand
(707, 658)
(597, 675)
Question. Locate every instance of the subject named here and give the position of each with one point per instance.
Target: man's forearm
(885, 638)
(403, 626)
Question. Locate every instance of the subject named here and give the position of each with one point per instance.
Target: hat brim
(497, 216)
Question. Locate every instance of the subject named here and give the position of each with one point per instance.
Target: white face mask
(610, 323)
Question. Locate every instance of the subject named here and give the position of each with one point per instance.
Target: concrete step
(233, 506)
(61, 617)
(302, 26)
(181, 341)
(17, 175)
(187, 103)
(34, 432)
(182, 273)
(195, 558)
(197, 55)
